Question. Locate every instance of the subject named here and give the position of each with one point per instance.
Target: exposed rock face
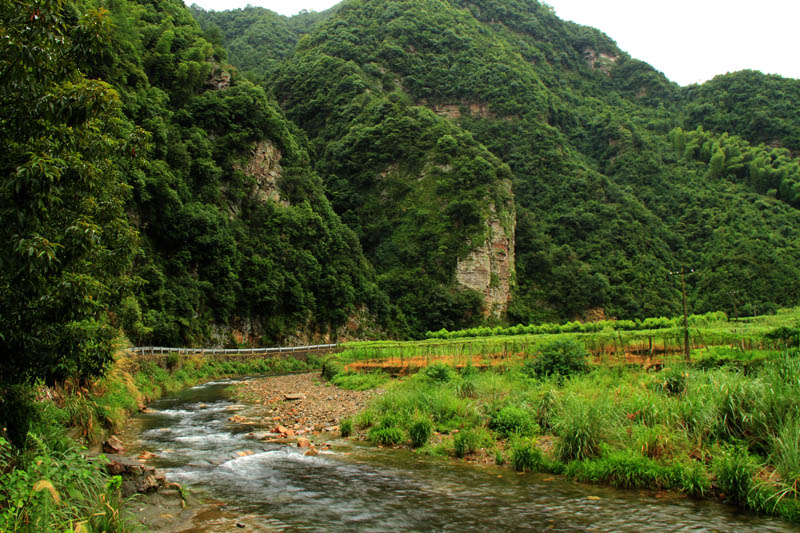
(265, 167)
(453, 111)
(599, 61)
(219, 78)
(489, 268)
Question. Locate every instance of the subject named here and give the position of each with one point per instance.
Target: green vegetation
(357, 381)
(422, 113)
(581, 327)
(51, 484)
(696, 429)
(560, 358)
(342, 185)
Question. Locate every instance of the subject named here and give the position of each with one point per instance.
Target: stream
(355, 487)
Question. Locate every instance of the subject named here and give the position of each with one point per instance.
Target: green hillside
(384, 168)
(605, 204)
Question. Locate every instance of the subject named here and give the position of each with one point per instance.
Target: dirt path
(304, 403)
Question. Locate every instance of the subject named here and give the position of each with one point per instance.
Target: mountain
(240, 243)
(379, 169)
(497, 161)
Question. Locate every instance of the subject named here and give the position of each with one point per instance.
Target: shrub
(331, 367)
(440, 372)
(562, 357)
(735, 469)
(786, 451)
(385, 436)
(346, 427)
(466, 389)
(784, 335)
(673, 381)
(50, 490)
(359, 381)
(654, 442)
(17, 412)
(465, 442)
(580, 426)
(526, 456)
(420, 430)
(173, 360)
(365, 419)
(511, 420)
(386, 432)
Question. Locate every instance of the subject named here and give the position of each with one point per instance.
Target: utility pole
(687, 350)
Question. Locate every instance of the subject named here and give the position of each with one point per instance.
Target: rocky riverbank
(302, 403)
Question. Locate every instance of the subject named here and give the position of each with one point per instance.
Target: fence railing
(162, 350)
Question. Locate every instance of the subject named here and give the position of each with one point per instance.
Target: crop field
(608, 345)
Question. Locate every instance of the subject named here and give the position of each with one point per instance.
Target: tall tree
(66, 246)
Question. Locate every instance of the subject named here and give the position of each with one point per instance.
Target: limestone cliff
(264, 166)
(489, 268)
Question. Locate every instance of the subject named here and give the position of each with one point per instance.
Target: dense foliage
(605, 204)
(236, 229)
(758, 107)
(66, 246)
(382, 145)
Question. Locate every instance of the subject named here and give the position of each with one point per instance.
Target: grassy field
(727, 426)
(608, 346)
(619, 408)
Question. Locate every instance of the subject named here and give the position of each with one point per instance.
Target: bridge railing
(162, 350)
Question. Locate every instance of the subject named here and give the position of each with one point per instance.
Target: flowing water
(353, 487)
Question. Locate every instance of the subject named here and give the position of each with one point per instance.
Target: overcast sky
(688, 40)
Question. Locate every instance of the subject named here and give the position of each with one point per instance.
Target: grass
(736, 424)
(358, 381)
(50, 484)
(607, 346)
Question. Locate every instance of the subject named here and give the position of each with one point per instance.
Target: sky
(690, 41)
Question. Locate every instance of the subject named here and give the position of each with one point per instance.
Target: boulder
(147, 484)
(113, 445)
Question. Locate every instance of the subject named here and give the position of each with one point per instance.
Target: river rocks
(313, 452)
(294, 396)
(113, 445)
(320, 408)
(303, 442)
(146, 484)
(136, 477)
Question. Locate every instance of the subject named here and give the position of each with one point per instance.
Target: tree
(66, 246)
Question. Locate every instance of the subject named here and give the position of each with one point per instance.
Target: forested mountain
(380, 169)
(237, 231)
(612, 185)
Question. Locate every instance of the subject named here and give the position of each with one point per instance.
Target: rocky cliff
(489, 268)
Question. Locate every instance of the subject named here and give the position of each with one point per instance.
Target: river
(354, 487)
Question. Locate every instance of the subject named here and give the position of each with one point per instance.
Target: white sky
(690, 41)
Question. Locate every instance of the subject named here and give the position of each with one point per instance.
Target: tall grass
(48, 483)
(56, 488)
(676, 429)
